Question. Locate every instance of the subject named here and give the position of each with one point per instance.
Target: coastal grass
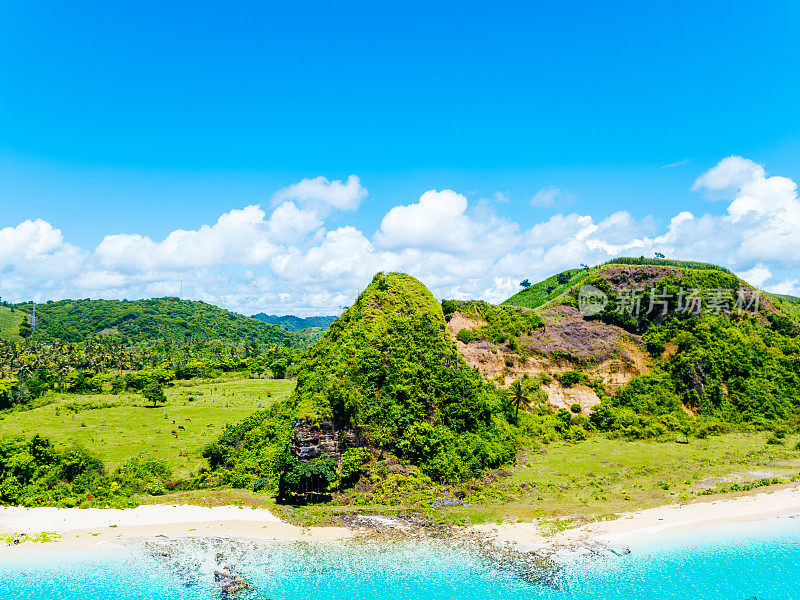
(563, 485)
(600, 477)
(118, 427)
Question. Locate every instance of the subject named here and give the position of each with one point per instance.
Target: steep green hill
(157, 318)
(540, 293)
(292, 323)
(385, 375)
(10, 320)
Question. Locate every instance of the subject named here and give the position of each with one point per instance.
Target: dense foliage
(30, 368)
(503, 324)
(34, 472)
(715, 368)
(666, 262)
(157, 318)
(660, 299)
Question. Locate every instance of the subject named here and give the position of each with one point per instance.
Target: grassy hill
(551, 288)
(710, 368)
(10, 321)
(292, 323)
(153, 319)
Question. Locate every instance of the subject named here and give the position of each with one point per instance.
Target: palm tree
(518, 395)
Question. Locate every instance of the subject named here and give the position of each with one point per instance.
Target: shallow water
(755, 560)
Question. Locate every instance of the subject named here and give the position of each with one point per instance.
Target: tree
(525, 283)
(518, 395)
(25, 329)
(659, 255)
(154, 393)
(278, 368)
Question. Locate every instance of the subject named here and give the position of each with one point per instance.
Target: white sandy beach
(81, 528)
(89, 527)
(647, 524)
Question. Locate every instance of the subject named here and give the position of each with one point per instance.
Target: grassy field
(564, 484)
(119, 427)
(560, 484)
(9, 323)
(602, 476)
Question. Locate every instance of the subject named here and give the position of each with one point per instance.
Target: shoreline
(87, 528)
(651, 525)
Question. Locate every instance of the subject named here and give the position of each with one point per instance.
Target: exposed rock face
(617, 354)
(311, 440)
(561, 397)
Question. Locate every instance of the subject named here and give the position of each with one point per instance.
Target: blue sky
(145, 118)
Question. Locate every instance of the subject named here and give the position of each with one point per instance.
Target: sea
(735, 561)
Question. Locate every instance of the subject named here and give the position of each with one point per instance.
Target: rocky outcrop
(230, 582)
(311, 440)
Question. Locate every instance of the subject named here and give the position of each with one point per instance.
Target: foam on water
(759, 560)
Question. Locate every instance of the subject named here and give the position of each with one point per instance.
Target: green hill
(292, 323)
(700, 362)
(543, 292)
(386, 375)
(156, 318)
(10, 320)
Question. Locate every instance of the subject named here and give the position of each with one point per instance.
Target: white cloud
(290, 224)
(790, 287)
(729, 174)
(757, 275)
(437, 221)
(321, 192)
(287, 261)
(28, 240)
(239, 237)
(550, 195)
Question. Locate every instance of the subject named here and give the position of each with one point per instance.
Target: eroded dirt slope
(567, 342)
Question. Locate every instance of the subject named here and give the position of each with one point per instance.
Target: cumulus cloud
(321, 192)
(239, 237)
(28, 240)
(439, 221)
(729, 174)
(286, 260)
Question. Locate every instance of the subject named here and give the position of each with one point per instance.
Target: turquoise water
(758, 560)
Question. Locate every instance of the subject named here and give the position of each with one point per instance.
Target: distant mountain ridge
(292, 323)
(154, 318)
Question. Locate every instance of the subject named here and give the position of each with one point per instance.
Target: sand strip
(647, 524)
(88, 527)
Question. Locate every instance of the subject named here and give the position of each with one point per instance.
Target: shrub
(260, 484)
(465, 335)
(570, 378)
(353, 460)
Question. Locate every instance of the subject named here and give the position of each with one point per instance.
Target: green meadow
(118, 427)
